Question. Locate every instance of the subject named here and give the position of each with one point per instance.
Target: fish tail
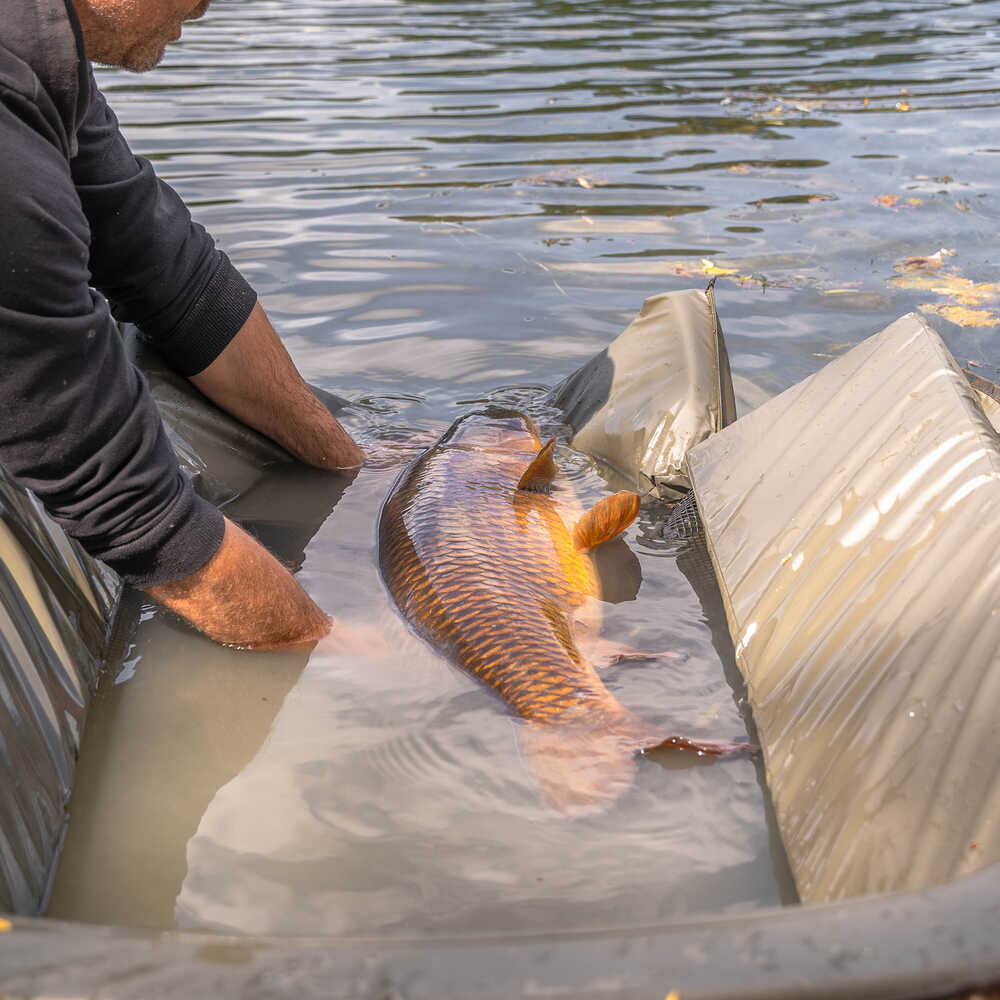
(579, 769)
(583, 769)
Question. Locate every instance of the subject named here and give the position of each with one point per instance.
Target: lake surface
(442, 203)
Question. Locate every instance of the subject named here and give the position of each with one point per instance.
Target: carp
(484, 552)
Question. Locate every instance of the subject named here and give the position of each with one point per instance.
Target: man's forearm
(256, 381)
(244, 597)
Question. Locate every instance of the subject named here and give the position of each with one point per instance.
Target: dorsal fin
(605, 520)
(538, 476)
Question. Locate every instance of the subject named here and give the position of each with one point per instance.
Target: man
(79, 212)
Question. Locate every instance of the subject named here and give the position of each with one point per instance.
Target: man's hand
(256, 381)
(244, 597)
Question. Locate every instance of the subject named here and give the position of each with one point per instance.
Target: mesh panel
(684, 521)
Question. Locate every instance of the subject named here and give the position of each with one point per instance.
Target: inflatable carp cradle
(851, 526)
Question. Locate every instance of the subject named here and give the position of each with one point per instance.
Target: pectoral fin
(605, 520)
(603, 653)
(538, 476)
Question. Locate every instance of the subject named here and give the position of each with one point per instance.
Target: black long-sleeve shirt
(82, 221)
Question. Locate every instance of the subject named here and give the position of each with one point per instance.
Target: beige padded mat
(854, 524)
(660, 387)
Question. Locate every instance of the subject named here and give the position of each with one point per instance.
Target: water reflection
(436, 199)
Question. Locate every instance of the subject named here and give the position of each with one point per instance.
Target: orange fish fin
(538, 476)
(605, 520)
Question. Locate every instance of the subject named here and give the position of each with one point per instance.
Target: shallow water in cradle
(446, 202)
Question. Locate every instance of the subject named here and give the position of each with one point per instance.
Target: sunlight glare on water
(440, 203)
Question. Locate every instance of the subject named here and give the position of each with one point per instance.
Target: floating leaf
(925, 274)
(775, 114)
(886, 200)
(962, 206)
(560, 178)
(964, 291)
(914, 201)
(902, 106)
(739, 168)
(708, 267)
(962, 315)
(930, 262)
(705, 267)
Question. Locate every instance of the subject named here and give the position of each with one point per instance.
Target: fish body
(488, 562)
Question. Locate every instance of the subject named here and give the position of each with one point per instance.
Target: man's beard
(139, 58)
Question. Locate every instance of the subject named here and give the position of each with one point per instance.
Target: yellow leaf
(5, 925)
(708, 267)
(902, 106)
(583, 182)
(961, 206)
(967, 292)
(672, 995)
(962, 316)
(739, 168)
(914, 201)
(886, 200)
(689, 269)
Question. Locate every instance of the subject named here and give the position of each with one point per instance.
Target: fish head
(502, 435)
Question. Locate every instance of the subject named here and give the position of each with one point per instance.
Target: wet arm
(256, 381)
(244, 597)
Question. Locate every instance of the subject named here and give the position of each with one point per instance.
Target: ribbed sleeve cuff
(182, 542)
(213, 320)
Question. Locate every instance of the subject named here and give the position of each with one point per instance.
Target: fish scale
(480, 569)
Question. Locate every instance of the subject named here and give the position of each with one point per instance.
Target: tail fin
(579, 769)
(583, 769)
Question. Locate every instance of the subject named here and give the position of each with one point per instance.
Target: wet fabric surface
(861, 586)
(56, 609)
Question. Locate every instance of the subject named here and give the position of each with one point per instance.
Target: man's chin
(138, 59)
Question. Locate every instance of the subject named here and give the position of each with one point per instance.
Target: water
(442, 202)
